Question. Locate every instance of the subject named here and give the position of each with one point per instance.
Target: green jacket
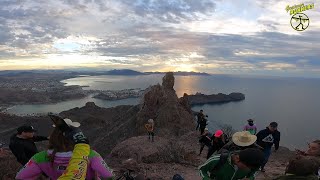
(226, 172)
(294, 177)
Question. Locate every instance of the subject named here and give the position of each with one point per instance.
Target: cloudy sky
(214, 36)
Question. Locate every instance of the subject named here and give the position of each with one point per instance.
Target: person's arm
(101, 167)
(78, 164)
(30, 171)
(259, 136)
(39, 138)
(277, 141)
(207, 167)
(255, 130)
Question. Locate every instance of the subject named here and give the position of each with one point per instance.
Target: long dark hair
(59, 143)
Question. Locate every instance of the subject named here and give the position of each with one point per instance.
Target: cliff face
(171, 115)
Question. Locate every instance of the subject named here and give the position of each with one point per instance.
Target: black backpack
(224, 159)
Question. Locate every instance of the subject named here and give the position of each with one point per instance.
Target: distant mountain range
(182, 73)
(115, 72)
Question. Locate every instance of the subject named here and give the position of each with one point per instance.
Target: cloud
(214, 36)
(171, 11)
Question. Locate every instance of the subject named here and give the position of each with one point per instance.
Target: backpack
(223, 159)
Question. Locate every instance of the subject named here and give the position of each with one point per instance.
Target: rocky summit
(161, 103)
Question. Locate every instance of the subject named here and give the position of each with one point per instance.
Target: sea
(292, 102)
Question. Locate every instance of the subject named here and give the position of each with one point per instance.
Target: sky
(213, 36)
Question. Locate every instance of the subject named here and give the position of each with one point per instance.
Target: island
(199, 98)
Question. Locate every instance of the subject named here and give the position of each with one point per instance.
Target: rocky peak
(171, 115)
(168, 81)
(91, 105)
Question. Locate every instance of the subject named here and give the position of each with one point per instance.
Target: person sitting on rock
(150, 128)
(240, 141)
(301, 168)
(251, 127)
(22, 144)
(240, 165)
(218, 142)
(54, 161)
(205, 140)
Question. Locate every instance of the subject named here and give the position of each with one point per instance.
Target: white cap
(70, 123)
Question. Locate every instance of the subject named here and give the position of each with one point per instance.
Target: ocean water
(292, 102)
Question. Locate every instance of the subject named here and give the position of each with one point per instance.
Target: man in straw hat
(240, 141)
(240, 165)
(266, 138)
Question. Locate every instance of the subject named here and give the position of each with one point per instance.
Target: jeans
(267, 153)
(151, 134)
(198, 125)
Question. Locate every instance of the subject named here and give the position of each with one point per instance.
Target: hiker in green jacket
(242, 165)
(301, 168)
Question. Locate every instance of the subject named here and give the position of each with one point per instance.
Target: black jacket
(217, 145)
(205, 139)
(24, 149)
(203, 123)
(266, 138)
(200, 116)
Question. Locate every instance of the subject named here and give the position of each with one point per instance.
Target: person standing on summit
(251, 127)
(266, 138)
(150, 128)
(22, 144)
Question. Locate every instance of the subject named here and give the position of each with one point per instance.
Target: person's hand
(76, 135)
(299, 152)
(3, 153)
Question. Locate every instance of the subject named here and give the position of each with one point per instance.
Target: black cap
(25, 129)
(250, 120)
(252, 157)
(274, 124)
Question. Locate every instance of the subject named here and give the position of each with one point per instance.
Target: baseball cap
(274, 124)
(25, 129)
(218, 133)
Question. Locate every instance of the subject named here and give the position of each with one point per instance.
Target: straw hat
(70, 123)
(243, 138)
